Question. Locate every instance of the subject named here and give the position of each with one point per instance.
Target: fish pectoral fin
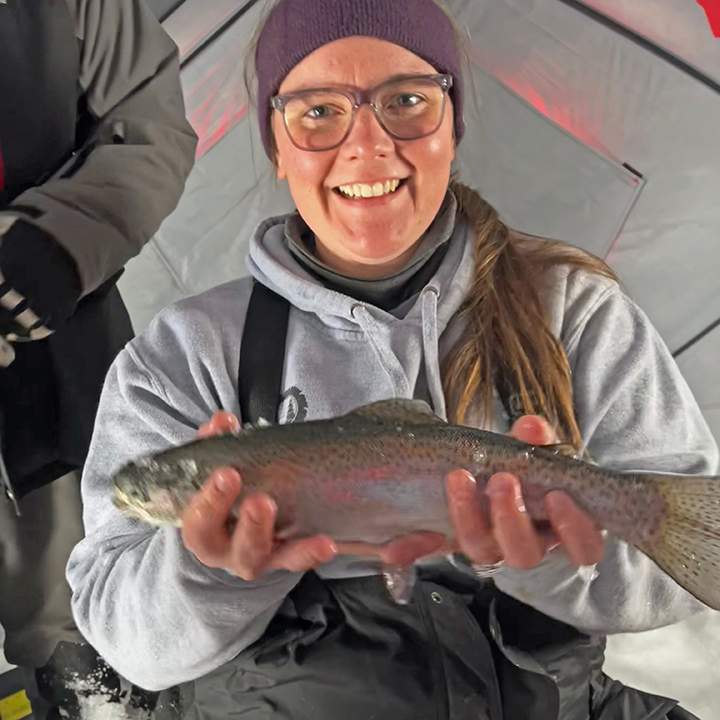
(416, 412)
(400, 582)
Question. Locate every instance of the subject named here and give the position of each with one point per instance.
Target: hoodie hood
(397, 349)
(272, 264)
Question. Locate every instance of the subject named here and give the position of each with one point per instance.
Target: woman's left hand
(511, 536)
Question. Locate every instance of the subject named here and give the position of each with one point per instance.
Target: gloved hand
(39, 284)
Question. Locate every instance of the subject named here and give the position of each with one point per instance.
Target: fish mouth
(150, 513)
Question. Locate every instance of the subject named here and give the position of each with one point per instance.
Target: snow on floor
(97, 704)
(681, 661)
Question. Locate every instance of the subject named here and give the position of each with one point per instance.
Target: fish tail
(687, 543)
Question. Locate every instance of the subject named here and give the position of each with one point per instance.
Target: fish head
(156, 490)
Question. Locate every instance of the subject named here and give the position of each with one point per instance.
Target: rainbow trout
(379, 472)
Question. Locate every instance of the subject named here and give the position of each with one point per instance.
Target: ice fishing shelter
(596, 122)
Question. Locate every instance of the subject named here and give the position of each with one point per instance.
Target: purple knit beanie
(296, 28)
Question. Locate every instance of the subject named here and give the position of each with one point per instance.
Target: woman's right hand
(249, 547)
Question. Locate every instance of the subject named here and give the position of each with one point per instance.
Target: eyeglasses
(407, 109)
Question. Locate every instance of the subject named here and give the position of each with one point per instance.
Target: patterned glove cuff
(39, 283)
(27, 325)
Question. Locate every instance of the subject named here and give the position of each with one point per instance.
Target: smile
(362, 190)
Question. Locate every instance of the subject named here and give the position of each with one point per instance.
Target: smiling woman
(373, 235)
(400, 282)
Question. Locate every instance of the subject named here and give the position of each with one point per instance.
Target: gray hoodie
(160, 617)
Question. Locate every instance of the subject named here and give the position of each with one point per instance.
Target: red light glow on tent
(712, 10)
(554, 110)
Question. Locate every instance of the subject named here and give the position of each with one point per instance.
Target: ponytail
(508, 339)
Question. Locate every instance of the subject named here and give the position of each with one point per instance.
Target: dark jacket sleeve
(79, 228)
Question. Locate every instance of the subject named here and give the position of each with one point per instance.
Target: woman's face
(365, 237)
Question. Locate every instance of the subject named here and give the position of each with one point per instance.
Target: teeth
(360, 190)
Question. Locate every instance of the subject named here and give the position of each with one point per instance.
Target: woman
(400, 283)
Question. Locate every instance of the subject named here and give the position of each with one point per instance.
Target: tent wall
(684, 28)
(637, 109)
(580, 134)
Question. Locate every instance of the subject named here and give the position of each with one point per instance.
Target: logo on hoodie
(293, 406)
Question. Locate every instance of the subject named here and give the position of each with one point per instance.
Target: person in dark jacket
(94, 152)
(395, 281)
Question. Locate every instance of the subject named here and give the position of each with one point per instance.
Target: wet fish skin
(379, 472)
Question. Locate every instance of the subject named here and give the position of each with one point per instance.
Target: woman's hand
(249, 549)
(512, 535)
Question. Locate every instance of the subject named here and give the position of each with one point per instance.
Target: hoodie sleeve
(636, 413)
(149, 607)
(82, 226)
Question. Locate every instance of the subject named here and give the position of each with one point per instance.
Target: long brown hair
(508, 337)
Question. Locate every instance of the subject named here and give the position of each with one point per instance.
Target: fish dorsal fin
(415, 412)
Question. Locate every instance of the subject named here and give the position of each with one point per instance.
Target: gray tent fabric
(596, 122)
(685, 29)
(541, 178)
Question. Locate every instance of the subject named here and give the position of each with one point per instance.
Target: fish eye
(137, 493)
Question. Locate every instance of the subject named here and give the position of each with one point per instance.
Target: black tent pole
(210, 39)
(697, 338)
(644, 42)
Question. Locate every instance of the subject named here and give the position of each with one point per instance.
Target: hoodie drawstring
(432, 351)
(387, 358)
(392, 365)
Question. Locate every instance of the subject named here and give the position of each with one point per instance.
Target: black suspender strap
(262, 355)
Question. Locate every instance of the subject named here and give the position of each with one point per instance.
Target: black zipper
(436, 659)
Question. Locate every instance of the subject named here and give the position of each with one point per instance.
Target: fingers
(255, 551)
(253, 539)
(203, 531)
(303, 555)
(581, 540)
(251, 549)
(520, 544)
(533, 430)
(221, 423)
(467, 514)
(406, 550)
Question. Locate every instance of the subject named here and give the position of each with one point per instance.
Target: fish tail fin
(687, 544)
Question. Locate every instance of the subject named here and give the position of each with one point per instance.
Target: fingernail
(498, 487)
(255, 511)
(527, 423)
(254, 514)
(503, 487)
(226, 481)
(556, 502)
(462, 483)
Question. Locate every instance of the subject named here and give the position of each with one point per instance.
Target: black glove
(39, 285)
